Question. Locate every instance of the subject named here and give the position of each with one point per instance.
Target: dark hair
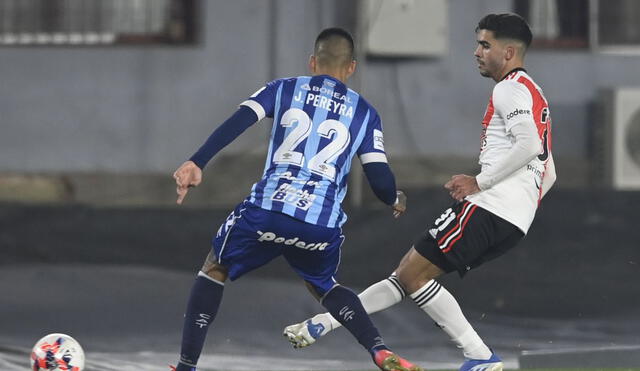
(507, 26)
(330, 35)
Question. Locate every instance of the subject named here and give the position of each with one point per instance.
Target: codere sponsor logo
(517, 112)
(272, 237)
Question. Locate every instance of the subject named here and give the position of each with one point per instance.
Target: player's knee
(415, 271)
(408, 280)
(217, 275)
(318, 290)
(215, 270)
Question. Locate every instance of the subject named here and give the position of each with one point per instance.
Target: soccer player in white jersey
(294, 211)
(493, 210)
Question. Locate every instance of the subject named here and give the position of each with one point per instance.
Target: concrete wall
(128, 109)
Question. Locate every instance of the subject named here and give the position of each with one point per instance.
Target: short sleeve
(372, 147)
(262, 102)
(513, 103)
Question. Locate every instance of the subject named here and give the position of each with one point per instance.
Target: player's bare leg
(414, 271)
(213, 269)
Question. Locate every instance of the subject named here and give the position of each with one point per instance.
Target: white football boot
(303, 334)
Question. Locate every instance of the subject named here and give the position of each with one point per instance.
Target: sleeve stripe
(366, 158)
(256, 107)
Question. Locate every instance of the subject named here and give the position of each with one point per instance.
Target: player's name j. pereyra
(323, 102)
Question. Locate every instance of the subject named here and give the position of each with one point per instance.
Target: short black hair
(334, 45)
(507, 26)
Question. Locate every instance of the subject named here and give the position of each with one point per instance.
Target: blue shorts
(252, 237)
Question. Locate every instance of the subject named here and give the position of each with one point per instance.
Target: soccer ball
(57, 352)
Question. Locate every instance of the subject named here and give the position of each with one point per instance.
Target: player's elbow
(528, 148)
(527, 140)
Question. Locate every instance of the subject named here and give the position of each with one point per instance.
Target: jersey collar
(330, 78)
(512, 71)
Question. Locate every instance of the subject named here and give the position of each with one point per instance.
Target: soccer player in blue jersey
(319, 125)
(492, 211)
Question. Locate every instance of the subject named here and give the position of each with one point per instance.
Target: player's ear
(351, 68)
(509, 52)
(312, 64)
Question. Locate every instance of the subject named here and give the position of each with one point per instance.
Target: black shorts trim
(465, 236)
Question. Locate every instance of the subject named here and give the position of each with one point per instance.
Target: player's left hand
(401, 204)
(461, 186)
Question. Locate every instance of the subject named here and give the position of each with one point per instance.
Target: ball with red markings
(57, 352)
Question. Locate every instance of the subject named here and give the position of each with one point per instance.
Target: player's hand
(400, 206)
(461, 186)
(188, 175)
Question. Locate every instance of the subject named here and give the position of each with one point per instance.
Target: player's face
(490, 54)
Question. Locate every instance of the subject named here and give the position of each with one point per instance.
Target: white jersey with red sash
(515, 99)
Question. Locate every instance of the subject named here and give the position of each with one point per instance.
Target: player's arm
(510, 97)
(526, 147)
(226, 133)
(189, 174)
(549, 177)
(377, 170)
(258, 106)
(383, 184)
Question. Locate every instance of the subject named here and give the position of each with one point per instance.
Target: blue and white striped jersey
(318, 126)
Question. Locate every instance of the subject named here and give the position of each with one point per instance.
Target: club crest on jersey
(289, 194)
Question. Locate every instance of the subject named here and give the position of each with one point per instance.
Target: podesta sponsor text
(272, 237)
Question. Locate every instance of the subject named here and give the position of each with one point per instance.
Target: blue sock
(202, 308)
(345, 306)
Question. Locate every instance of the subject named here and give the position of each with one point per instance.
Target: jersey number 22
(320, 163)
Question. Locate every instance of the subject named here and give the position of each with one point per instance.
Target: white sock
(443, 308)
(379, 296)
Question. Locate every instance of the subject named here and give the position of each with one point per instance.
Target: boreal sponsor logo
(327, 91)
(517, 112)
(294, 241)
(293, 196)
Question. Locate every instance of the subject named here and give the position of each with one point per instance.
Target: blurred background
(101, 100)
